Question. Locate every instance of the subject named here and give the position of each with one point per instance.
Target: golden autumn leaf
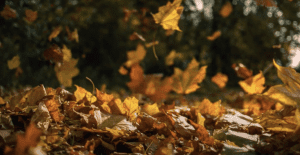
(67, 54)
(226, 10)
(14, 62)
(169, 15)
(289, 92)
(135, 56)
(169, 60)
(72, 35)
(8, 12)
(56, 31)
(253, 85)
(214, 36)
(66, 72)
(220, 79)
(185, 82)
(80, 93)
(213, 109)
(31, 16)
(150, 109)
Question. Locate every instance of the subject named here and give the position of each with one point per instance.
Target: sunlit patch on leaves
(169, 15)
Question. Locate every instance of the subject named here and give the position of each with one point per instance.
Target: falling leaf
(242, 71)
(30, 15)
(288, 92)
(135, 56)
(185, 82)
(56, 31)
(137, 82)
(214, 36)
(213, 109)
(66, 53)
(169, 32)
(128, 13)
(253, 85)
(66, 72)
(220, 79)
(169, 60)
(72, 35)
(14, 62)
(153, 43)
(54, 53)
(226, 10)
(123, 70)
(266, 3)
(169, 15)
(135, 36)
(8, 12)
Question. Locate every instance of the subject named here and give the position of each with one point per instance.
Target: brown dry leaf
(66, 53)
(169, 15)
(14, 62)
(137, 82)
(213, 109)
(25, 141)
(8, 12)
(135, 56)
(123, 70)
(56, 31)
(253, 85)
(18, 72)
(266, 3)
(30, 15)
(72, 35)
(226, 10)
(66, 72)
(135, 36)
(220, 79)
(288, 92)
(214, 36)
(150, 109)
(185, 82)
(242, 71)
(54, 54)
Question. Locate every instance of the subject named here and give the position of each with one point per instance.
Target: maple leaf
(169, 15)
(8, 12)
(150, 109)
(253, 85)
(289, 92)
(14, 62)
(185, 82)
(30, 15)
(56, 31)
(213, 109)
(66, 72)
(80, 93)
(135, 56)
(220, 79)
(226, 10)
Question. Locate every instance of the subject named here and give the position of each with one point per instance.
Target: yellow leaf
(80, 93)
(14, 62)
(67, 53)
(66, 72)
(169, 15)
(253, 85)
(55, 33)
(200, 119)
(289, 92)
(213, 109)
(135, 56)
(185, 82)
(150, 109)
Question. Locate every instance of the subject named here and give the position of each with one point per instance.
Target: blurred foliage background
(254, 33)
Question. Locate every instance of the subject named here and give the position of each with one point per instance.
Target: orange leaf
(8, 12)
(53, 107)
(226, 10)
(242, 71)
(72, 35)
(169, 15)
(220, 79)
(214, 36)
(54, 53)
(137, 82)
(135, 56)
(266, 3)
(185, 82)
(56, 31)
(30, 15)
(253, 85)
(123, 70)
